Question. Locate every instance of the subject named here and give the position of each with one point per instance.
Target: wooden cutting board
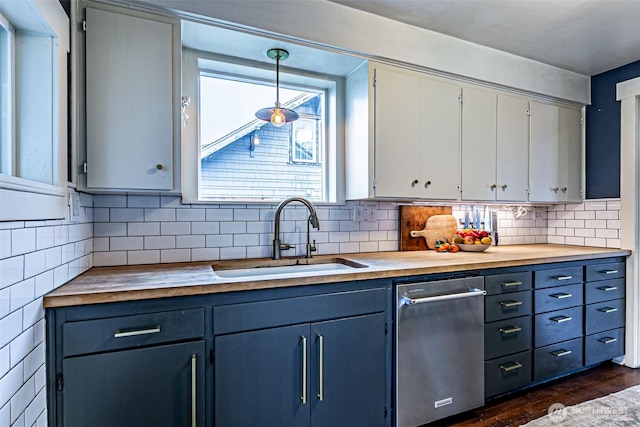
(438, 227)
(415, 218)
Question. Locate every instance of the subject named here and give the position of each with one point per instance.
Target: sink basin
(284, 267)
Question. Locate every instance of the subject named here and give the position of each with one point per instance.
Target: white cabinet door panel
(512, 149)
(397, 134)
(543, 153)
(478, 144)
(440, 132)
(570, 154)
(129, 85)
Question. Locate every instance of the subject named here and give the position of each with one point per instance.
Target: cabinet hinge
(59, 382)
(212, 357)
(386, 411)
(374, 78)
(373, 183)
(84, 167)
(529, 112)
(84, 25)
(386, 328)
(460, 100)
(581, 121)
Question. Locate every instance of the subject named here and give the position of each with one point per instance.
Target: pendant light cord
(278, 80)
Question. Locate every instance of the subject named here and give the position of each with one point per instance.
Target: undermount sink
(284, 267)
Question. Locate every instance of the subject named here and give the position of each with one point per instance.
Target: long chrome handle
(607, 340)
(608, 288)
(607, 310)
(563, 277)
(560, 319)
(304, 369)
(561, 295)
(510, 330)
(509, 284)
(473, 293)
(512, 367)
(609, 272)
(321, 367)
(560, 353)
(511, 303)
(193, 391)
(132, 333)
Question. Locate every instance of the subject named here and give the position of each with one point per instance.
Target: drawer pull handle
(321, 367)
(608, 309)
(510, 303)
(609, 272)
(512, 367)
(608, 288)
(563, 277)
(510, 330)
(135, 332)
(303, 398)
(510, 284)
(194, 398)
(560, 319)
(560, 353)
(607, 340)
(561, 295)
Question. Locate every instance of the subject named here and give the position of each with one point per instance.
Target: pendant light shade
(277, 114)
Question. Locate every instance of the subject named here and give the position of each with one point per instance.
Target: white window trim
(334, 135)
(23, 199)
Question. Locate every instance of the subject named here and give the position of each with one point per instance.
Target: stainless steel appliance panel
(439, 354)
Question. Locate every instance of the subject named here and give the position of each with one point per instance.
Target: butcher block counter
(131, 283)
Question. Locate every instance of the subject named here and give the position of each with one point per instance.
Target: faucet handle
(286, 246)
(313, 247)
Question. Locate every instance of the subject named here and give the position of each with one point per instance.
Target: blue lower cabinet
(313, 374)
(153, 386)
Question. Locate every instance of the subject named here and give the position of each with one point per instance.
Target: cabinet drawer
(507, 336)
(94, 336)
(550, 299)
(603, 346)
(289, 311)
(557, 277)
(557, 326)
(604, 290)
(505, 306)
(507, 373)
(604, 316)
(610, 270)
(557, 359)
(509, 282)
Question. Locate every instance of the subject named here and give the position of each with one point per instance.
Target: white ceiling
(584, 36)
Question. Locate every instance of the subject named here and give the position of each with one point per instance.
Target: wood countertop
(129, 283)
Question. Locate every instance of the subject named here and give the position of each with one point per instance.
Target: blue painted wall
(603, 133)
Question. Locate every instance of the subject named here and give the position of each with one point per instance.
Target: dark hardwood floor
(533, 403)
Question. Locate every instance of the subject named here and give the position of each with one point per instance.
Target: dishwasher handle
(474, 292)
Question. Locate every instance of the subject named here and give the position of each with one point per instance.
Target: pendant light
(277, 115)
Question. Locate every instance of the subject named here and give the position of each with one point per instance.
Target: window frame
(27, 199)
(316, 142)
(333, 155)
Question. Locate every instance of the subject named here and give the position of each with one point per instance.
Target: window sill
(22, 199)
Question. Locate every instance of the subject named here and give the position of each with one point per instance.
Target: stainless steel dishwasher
(439, 349)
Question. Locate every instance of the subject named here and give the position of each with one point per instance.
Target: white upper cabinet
(555, 154)
(412, 125)
(512, 149)
(478, 144)
(495, 142)
(132, 88)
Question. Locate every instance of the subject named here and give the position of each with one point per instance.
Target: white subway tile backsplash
(32, 313)
(143, 257)
(110, 201)
(205, 254)
(205, 227)
(21, 399)
(252, 214)
(175, 228)
(34, 263)
(175, 255)
(349, 248)
(22, 293)
(109, 229)
(35, 408)
(5, 363)
(101, 214)
(191, 215)
(134, 201)
(246, 240)
(10, 384)
(233, 253)
(103, 259)
(127, 215)
(23, 240)
(53, 257)
(219, 240)
(159, 242)
(21, 346)
(143, 229)
(191, 241)
(172, 202)
(11, 270)
(10, 327)
(160, 214)
(220, 215)
(5, 302)
(126, 243)
(237, 228)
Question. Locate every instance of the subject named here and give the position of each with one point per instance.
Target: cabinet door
(440, 138)
(512, 149)
(570, 154)
(397, 134)
(153, 386)
(261, 378)
(129, 92)
(348, 372)
(543, 153)
(478, 145)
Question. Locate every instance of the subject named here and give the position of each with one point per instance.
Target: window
(243, 159)
(34, 40)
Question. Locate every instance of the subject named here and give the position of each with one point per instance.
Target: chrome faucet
(312, 221)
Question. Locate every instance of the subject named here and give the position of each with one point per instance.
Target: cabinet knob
(428, 183)
(159, 167)
(504, 186)
(493, 186)
(414, 182)
(555, 189)
(563, 189)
